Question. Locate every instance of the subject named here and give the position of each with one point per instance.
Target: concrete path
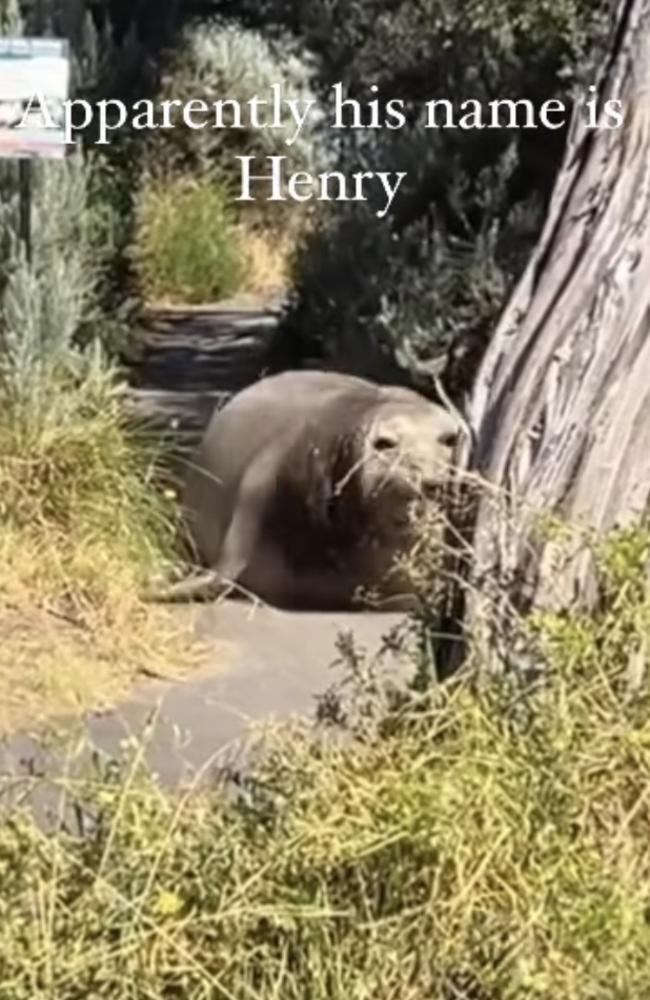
(261, 664)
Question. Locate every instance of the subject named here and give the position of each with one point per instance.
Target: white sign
(33, 70)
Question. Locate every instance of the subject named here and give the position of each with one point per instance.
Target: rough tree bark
(561, 405)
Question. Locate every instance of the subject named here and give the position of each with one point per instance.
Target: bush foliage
(187, 248)
(193, 241)
(468, 214)
(218, 60)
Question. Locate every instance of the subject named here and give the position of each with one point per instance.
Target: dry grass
(82, 530)
(75, 634)
(268, 251)
(486, 840)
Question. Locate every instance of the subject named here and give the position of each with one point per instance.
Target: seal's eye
(384, 442)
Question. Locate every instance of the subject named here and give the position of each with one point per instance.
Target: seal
(304, 488)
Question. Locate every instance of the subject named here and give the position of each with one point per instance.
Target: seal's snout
(431, 488)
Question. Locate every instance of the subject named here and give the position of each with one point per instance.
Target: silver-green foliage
(218, 61)
(47, 296)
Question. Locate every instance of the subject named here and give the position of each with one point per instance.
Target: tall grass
(487, 840)
(82, 525)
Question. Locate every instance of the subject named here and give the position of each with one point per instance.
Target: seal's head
(358, 471)
(407, 448)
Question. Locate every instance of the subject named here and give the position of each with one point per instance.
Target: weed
(187, 248)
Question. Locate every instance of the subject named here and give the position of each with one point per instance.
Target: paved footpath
(261, 664)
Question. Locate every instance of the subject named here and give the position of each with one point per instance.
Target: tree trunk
(561, 405)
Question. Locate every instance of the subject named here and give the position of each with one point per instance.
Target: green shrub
(46, 300)
(382, 297)
(467, 216)
(186, 247)
(488, 839)
(220, 60)
(185, 254)
(412, 50)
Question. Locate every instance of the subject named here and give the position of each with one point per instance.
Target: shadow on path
(191, 361)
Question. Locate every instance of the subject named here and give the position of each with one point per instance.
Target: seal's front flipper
(204, 586)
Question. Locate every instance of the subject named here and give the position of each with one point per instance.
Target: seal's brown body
(302, 487)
